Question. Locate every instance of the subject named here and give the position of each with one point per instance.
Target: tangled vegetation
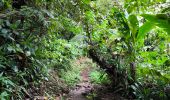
(128, 39)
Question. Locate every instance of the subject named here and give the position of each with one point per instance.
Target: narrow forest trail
(86, 90)
(83, 88)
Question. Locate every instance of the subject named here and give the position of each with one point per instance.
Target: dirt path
(83, 88)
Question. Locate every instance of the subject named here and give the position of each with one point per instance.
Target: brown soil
(83, 88)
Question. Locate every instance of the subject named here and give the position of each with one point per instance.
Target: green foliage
(160, 20)
(144, 29)
(133, 6)
(3, 95)
(99, 77)
(133, 23)
(133, 42)
(48, 34)
(33, 40)
(72, 76)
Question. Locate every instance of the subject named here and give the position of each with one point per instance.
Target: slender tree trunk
(133, 72)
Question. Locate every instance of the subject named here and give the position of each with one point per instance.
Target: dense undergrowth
(98, 76)
(128, 39)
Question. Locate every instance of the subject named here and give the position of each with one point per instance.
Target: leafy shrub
(71, 76)
(31, 45)
(99, 77)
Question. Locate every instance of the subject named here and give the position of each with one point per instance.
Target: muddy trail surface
(83, 88)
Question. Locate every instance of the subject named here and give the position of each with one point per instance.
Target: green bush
(99, 77)
(71, 76)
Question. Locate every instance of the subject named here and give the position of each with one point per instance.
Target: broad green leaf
(151, 18)
(160, 20)
(133, 23)
(145, 28)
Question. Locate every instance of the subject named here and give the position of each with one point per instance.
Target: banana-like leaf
(160, 20)
(133, 23)
(145, 28)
